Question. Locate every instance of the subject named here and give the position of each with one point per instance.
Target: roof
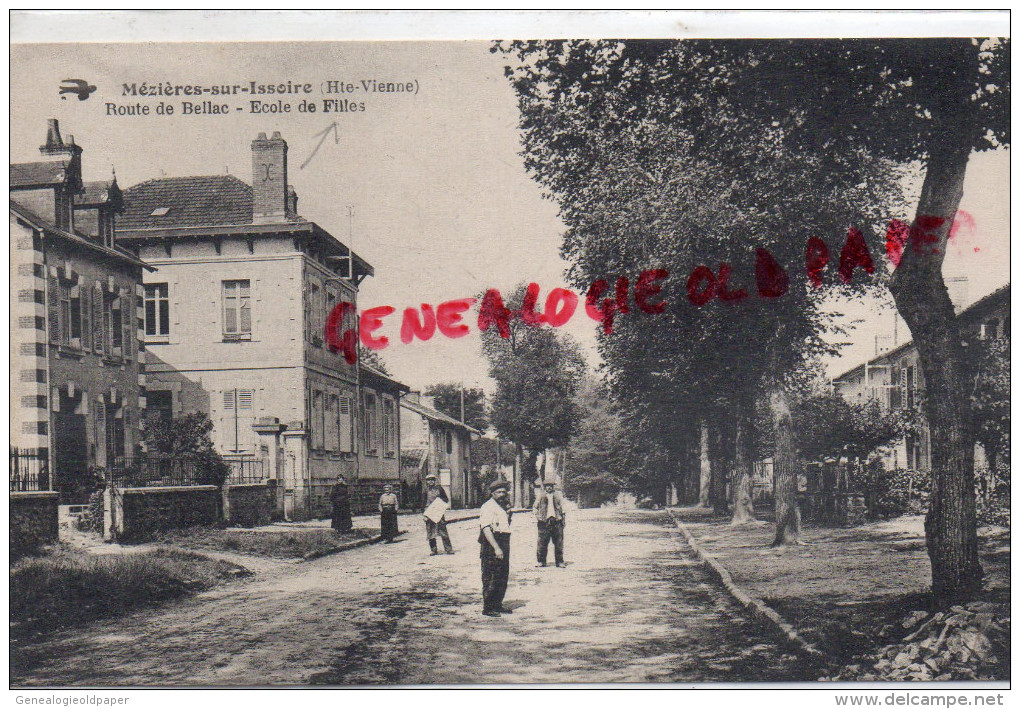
(207, 200)
(99, 192)
(379, 377)
(39, 174)
(433, 415)
(987, 302)
(35, 221)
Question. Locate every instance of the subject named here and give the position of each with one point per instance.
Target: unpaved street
(631, 606)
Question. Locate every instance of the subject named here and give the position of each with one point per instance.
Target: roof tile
(207, 200)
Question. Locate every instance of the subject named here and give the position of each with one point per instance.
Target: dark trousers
(432, 529)
(495, 573)
(389, 524)
(551, 530)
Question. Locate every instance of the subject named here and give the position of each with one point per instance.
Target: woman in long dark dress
(388, 506)
(341, 499)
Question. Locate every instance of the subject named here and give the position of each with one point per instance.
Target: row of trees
(754, 163)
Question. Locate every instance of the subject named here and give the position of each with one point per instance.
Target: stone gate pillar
(295, 471)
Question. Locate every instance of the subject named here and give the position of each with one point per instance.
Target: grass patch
(278, 545)
(69, 587)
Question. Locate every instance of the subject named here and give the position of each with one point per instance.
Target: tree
(829, 427)
(448, 399)
(904, 101)
(608, 131)
(186, 440)
(537, 371)
(373, 360)
(990, 401)
(592, 476)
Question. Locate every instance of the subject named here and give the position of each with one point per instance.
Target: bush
(92, 519)
(994, 509)
(70, 587)
(891, 493)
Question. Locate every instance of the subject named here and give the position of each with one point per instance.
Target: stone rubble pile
(956, 644)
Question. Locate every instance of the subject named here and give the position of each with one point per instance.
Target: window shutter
(245, 399)
(344, 422)
(127, 313)
(86, 318)
(98, 319)
(53, 309)
(228, 400)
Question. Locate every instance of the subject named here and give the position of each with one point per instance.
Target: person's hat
(430, 476)
(499, 484)
(550, 481)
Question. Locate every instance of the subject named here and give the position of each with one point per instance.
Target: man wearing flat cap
(435, 514)
(494, 520)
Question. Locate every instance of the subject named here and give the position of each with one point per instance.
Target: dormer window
(160, 212)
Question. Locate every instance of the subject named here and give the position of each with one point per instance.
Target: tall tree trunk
(518, 486)
(784, 473)
(706, 468)
(720, 459)
(743, 464)
(922, 300)
(992, 455)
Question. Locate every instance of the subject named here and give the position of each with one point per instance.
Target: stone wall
(136, 513)
(249, 505)
(365, 495)
(33, 521)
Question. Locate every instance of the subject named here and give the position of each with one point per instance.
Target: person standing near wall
(388, 507)
(340, 497)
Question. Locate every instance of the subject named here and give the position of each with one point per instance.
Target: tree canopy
(448, 401)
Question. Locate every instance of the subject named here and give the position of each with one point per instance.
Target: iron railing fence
(156, 471)
(245, 470)
(29, 471)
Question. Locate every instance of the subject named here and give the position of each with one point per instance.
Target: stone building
(894, 378)
(436, 443)
(77, 363)
(234, 323)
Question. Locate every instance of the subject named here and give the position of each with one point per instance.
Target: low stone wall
(249, 505)
(365, 495)
(34, 521)
(135, 513)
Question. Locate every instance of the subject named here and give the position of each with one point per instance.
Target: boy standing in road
(494, 520)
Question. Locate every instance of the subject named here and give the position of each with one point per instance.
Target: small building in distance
(894, 378)
(77, 363)
(433, 442)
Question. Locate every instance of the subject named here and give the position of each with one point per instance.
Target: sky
(442, 205)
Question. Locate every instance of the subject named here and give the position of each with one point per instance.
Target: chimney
(269, 179)
(55, 145)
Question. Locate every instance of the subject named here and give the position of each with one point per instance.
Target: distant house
(435, 443)
(77, 365)
(234, 322)
(894, 379)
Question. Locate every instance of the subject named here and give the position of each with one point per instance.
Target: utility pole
(462, 402)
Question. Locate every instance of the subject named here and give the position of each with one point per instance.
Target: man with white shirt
(494, 521)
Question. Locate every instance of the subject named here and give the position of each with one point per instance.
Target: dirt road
(631, 606)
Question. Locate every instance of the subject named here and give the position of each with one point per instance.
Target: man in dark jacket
(433, 526)
(551, 521)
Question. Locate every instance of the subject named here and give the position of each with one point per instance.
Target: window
(449, 442)
(157, 309)
(159, 407)
(388, 427)
(117, 324)
(371, 419)
(237, 308)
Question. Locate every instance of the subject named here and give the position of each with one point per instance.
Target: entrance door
(71, 462)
